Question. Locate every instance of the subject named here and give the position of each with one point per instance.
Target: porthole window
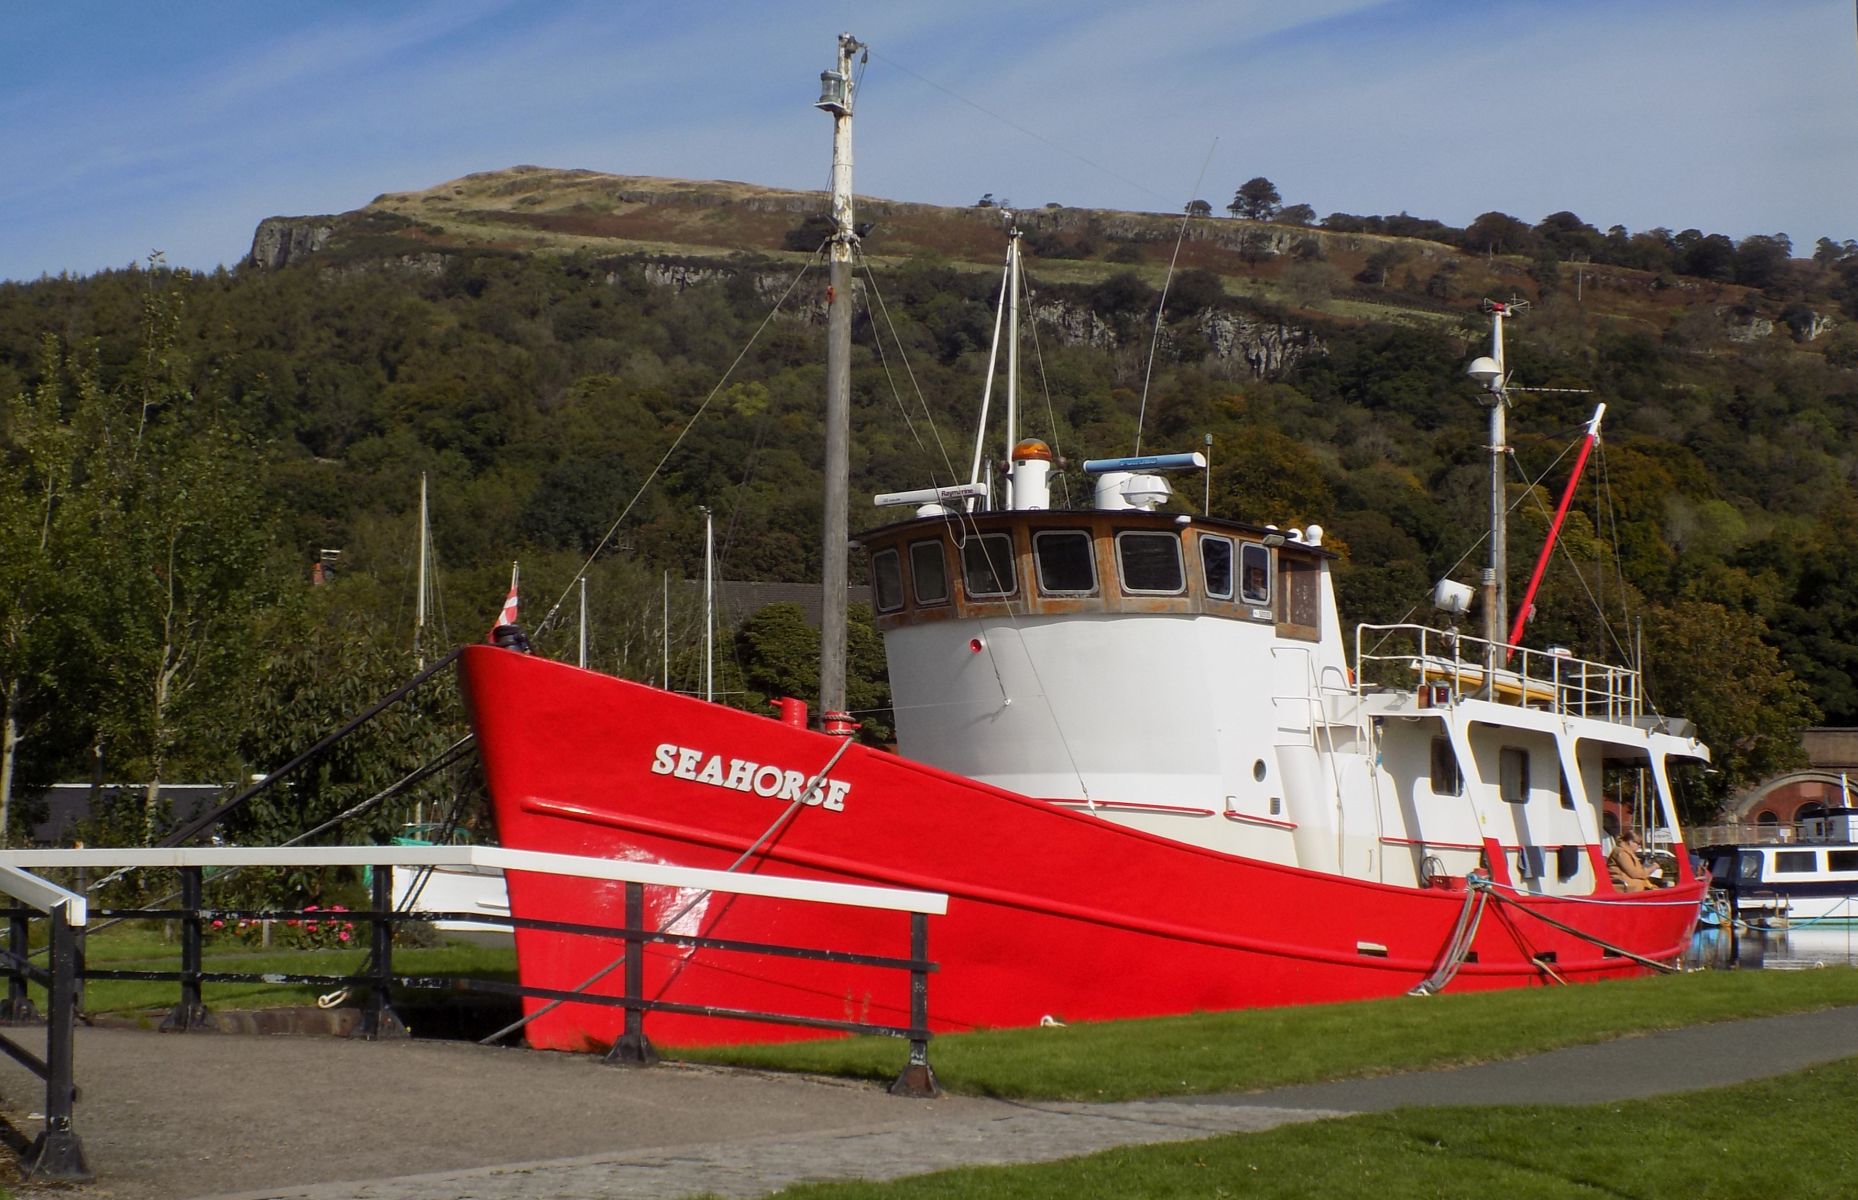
(1258, 770)
(987, 565)
(886, 581)
(928, 572)
(1150, 563)
(1216, 565)
(1067, 562)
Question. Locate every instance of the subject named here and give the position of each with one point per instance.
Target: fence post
(18, 1008)
(191, 1013)
(378, 1018)
(918, 1077)
(57, 1155)
(633, 1048)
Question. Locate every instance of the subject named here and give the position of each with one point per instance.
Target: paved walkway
(288, 1118)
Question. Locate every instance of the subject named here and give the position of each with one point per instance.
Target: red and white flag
(508, 615)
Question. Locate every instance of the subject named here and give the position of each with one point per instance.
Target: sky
(137, 126)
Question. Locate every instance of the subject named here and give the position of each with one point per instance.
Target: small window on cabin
(1255, 572)
(886, 581)
(1567, 792)
(1795, 862)
(1447, 779)
(987, 565)
(1216, 565)
(1529, 862)
(1748, 868)
(1067, 561)
(1151, 562)
(1298, 581)
(1842, 860)
(1513, 774)
(928, 572)
(1568, 862)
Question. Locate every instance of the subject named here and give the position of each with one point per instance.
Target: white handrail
(772, 886)
(44, 895)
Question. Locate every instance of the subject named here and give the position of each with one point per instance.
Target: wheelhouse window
(1216, 565)
(928, 572)
(1066, 562)
(1151, 563)
(1447, 779)
(1298, 607)
(1842, 860)
(1255, 572)
(1513, 774)
(886, 581)
(987, 565)
(1795, 862)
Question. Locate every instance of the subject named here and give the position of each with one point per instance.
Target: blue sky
(132, 127)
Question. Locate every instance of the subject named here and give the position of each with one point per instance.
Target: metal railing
(1410, 656)
(57, 1155)
(195, 917)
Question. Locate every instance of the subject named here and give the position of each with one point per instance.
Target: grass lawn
(142, 946)
(1784, 1138)
(1241, 1051)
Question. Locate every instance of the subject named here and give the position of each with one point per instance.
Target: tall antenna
(1494, 376)
(835, 98)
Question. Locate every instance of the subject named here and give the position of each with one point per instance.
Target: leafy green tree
(1744, 702)
(1256, 200)
(779, 656)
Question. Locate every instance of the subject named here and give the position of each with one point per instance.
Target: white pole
(664, 630)
(1012, 367)
(709, 606)
(425, 539)
(583, 659)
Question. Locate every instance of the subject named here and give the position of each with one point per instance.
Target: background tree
(1199, 208)
(1256, 200)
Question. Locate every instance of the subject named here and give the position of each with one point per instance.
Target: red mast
(1554, 530)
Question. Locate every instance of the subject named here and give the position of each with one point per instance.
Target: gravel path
(185, 1117)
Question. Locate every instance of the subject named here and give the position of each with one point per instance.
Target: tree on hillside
(1297, 214)
(1256, 200)
(1499, 233)
(1199, 208)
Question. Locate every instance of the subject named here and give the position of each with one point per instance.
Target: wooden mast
(835, 97)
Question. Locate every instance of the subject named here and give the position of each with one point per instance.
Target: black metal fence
(58, 1154)
(380, 981)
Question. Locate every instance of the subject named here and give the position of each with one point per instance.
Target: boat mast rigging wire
(1161, 303)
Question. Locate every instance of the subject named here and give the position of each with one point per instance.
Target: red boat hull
(1052, 911)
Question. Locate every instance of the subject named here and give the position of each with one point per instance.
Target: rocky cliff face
(280, 241)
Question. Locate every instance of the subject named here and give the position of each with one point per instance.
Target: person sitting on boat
(1625, 867)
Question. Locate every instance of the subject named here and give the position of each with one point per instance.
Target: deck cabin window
(987, 565)
(1255, 571)
(1299, 606)
(1795, 862)
(886, 581)
(1748, 867)
(1568, 862)
(929, 572)
(1216, 565)
(1067, 562)
(1513, 774)
(1151, 562)
(1842, 860)
(1567, 792)
(1447, 779)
